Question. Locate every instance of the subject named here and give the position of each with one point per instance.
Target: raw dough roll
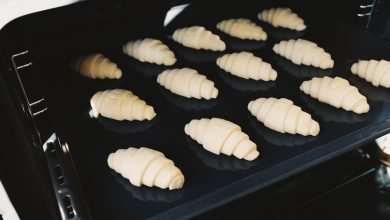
(242, 28)
(336, 92)
(188, 83)
(282, 17)
(121, 105)
(247, 66)
(374, 71)
(283, 116)
(150, 50)
(304, 52)
(96, 66)
(198, 37)
(144, 166)
(221, 136)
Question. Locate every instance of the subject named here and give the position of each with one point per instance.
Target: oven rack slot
(54, 150)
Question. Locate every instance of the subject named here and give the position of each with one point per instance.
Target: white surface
(384, 143)
(7, 210)
(12, 9)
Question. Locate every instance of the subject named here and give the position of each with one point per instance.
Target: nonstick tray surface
(211, 180)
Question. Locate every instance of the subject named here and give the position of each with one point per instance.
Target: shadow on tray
(329, 113)
(300, 71)
(245, 85)
(125, 127)
(196, 56)
(148, 70)
(149, 194)
(280, 33)
(219, 162)
(188, 103)
(240, 44)
(367, 89)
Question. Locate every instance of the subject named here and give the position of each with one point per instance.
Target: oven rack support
(32, 108)
(54, 149)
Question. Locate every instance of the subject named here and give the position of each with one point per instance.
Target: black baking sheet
(210, 180)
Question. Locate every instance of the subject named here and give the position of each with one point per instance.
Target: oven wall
(22, 168)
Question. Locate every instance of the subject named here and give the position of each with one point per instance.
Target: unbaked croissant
(336, 92)
(283, 116)
(96, 66)
(120, 105)
(304, 52)
(247, 66)
(242, 28)
(282, 17)
(150, 50)
(221, 136)
(198, 37)
(374, 71)
(144, 166)
(188, 83)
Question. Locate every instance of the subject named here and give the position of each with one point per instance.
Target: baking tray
(211, 180)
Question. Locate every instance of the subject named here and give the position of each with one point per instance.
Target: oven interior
(41, 46)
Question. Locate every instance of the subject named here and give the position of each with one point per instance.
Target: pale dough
(221, 136)
(188, 83)
(375, 71)
(242, 28)
(247, 66)
(282, 17)
(283, 116)
(96, 66)
(198, 37)
(120, 105)
(304, 52)
(150, 50)
(144, 166)
(336, 92)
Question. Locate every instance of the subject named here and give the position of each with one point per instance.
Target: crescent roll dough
(304, 52)
(242, 28)
(188, 83)
(121, 105)
(221, 136)
(374, 71)
(144, 166)
(198, 37)
(283, 116)
(96, 66)
(150, 50)
(336, 92)
(282, 17)
(247, 66)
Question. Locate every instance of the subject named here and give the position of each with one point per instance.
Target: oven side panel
(22, 166)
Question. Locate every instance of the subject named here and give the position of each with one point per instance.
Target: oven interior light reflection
(173, 12)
